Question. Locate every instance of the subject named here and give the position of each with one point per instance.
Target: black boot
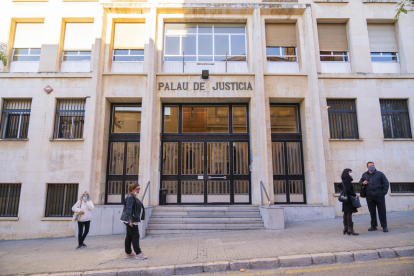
(351, 229)
(345, 227)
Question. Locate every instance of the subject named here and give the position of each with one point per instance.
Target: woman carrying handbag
(83, 208)
(347, 207)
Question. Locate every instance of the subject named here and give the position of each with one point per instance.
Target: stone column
(259, 117)
(148, 111)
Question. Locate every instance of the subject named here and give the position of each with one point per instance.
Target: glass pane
(76, 58)
(325, 53)
(137, 52)
(278, 158)
(218, 158)
(205, 119)
(192, 158)
(121, 52)
(273, 51)
(204, 58)
(171, 119)
(229, 28)
(172, 45)
(375, 54)
(384, 59)
(279, 189)
(205, 28)
(180, 28)
(177, 58)
(12, 125)
(170, 158)
(205, 44)
(339, 53)
(70, 53)
(128, 58)
(84, 53)
(239, 119)
(21, 51)
(127, 119)
(65, 125)
(132, 166)
(334, 58)
(289, 51)
(238, 44)
(26, 58)
(282, 58)
(296, 191)
(35, 51)
(189, 45)
(116, 158)
(284, 119)
(221, 45)
(240, 158)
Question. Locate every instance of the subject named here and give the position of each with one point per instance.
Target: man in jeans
(376, 187)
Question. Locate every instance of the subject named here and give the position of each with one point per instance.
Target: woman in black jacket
(347, 208)
(132, 214)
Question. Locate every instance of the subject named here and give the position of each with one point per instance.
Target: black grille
(402, 188)
(15, 118)
(60, 199)
(70, 117)
(342, 119)
(395, 119)
(338, 188)
(9, 199)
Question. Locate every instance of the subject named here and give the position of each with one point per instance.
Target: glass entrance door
(206, 162)
(287, 158)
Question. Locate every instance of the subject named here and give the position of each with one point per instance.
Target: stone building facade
(97, 94)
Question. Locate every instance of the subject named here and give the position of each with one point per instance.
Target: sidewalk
(107, 252)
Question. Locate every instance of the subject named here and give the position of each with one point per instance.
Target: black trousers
(81, 234)
(132, 236)
(374, 204)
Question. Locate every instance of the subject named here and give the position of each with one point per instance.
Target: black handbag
(343, 197)
(355, 202)
(363, 193)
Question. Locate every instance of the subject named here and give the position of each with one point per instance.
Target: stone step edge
(257, 263)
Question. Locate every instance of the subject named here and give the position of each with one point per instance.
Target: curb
(257, 263)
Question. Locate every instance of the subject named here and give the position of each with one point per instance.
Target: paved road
(107, 252)
(383, 267)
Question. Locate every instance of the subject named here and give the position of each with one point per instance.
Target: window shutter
(78, 36)
(280, 35)
(129, 36)
(28, 35)
(382, 38)
(332, 37)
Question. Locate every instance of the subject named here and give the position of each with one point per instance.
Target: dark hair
(132, 186)
(369, 163)
(345, 174)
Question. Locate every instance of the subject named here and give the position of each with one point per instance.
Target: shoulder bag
(355, 202)
(343, 197)
(77, 216)
(363, 193)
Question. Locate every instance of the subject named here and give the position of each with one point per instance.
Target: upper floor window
(284, 119)
(78, 42)
(333, 45)
(395, 119)
(205, 42)
(15, 118)
(27, 42)
(342, 119)
(383, 43)
(70, 118)
(129, 42)
(126, 119)
(281, 42)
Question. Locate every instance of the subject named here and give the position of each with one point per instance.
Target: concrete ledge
(405, 251)
(102, 273)
(161, 271)
(365, 255)
(188, 269)
(63, 274)
(216, 266)
(344, 257)
(132, 272)
(273, 217)
(295, 260)
(237, 265)
(386, 253)
(323, 258)
(264, 263)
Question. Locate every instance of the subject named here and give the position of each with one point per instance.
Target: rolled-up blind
(280, 35)
(129, 36)
(78, 36)
(382, 38)
(332, 37)
(28, 35)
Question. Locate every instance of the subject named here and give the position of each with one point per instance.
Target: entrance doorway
(287, 157)
(205, 154)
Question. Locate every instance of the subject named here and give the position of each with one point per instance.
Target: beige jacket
(86, 208)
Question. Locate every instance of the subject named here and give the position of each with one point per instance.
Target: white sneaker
(141, 256)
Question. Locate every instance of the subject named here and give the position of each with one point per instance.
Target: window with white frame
(78, 42)
(333, 44)
(383, 43)
(70, 118)
(129, 42)
(281, 42)
(27, 42)
(15, 118)
(205, 42)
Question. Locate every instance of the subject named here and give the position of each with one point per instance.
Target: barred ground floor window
(60, 199)
(9, 199)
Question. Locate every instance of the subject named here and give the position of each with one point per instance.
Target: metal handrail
(267, 196)
(145, 192)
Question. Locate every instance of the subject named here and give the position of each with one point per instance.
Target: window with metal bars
(338, 188)
(395, 119)
(70, 118)
(342, 119)
(15, 118)
(402, 188)
(9, 199)
(60, 199)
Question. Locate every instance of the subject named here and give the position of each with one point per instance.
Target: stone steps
(196, 219)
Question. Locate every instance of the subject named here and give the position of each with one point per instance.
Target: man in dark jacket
(376, 187)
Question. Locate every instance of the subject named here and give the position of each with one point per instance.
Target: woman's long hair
(345, 174)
